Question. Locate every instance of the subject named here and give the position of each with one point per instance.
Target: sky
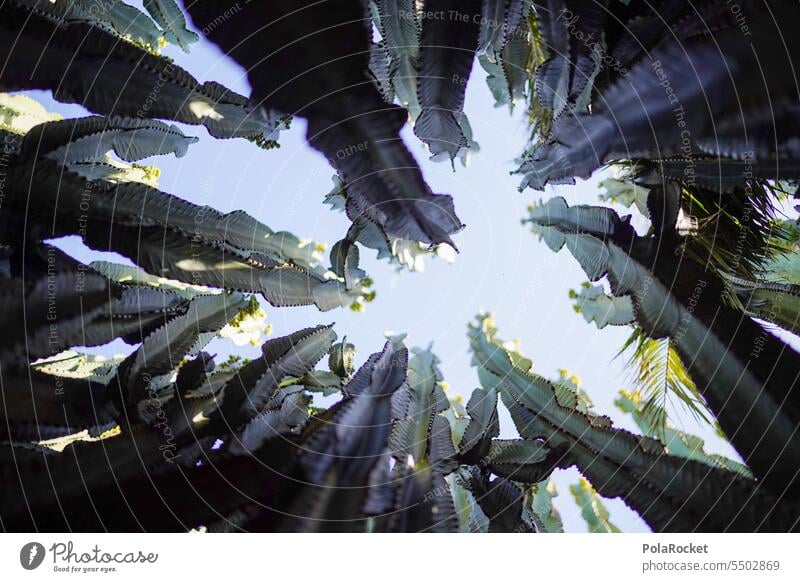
(501, 268)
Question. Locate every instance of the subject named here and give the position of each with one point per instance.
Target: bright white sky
(501, 268)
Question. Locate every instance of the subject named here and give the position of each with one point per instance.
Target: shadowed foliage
(699, 125)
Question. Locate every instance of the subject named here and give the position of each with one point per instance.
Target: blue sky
(501, 267)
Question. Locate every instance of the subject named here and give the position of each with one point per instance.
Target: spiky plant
(741, 370)
(167, 439)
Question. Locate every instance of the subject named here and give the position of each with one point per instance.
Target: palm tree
(169, 439)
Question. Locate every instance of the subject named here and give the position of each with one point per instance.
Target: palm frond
(737, 232)
(540, 117)
(659, 374)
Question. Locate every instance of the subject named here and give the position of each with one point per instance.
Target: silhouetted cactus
(169, 439)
